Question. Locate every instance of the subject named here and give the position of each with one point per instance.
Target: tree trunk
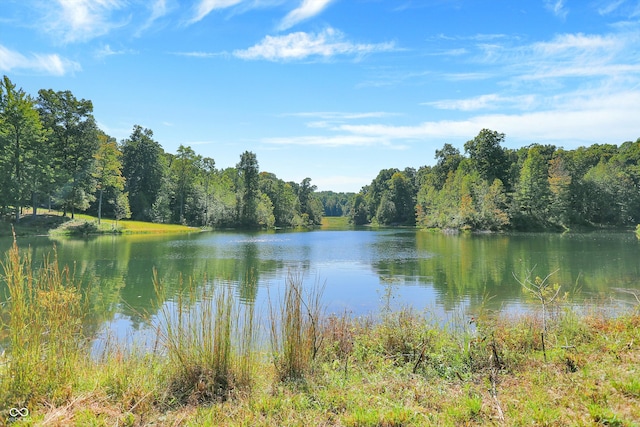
(34, 203)
(100, 206)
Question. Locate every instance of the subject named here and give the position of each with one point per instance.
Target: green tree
(448, 159)
(143, 167)
(560, 192)
(359, 210)
(403, 196)
(487, 156)
(378, 187)
(185, 169)
(310, 207)
(23, 144)
(248, 191)
(208, 171)
(283, 197)
(386, 213)
(612, 195)
(108, 170)
(492, 212)
(74, 138)
(264, 212)
(121, 207)
(533, 194)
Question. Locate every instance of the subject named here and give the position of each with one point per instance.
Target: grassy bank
(56, 224)
(214, 365)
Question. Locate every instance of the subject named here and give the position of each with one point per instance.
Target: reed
(296, 335)
(203, 337)
(45, 312)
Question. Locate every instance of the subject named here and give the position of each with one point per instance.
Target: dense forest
(495, 188)
(53, 154)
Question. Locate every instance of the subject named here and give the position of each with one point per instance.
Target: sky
(336, 90)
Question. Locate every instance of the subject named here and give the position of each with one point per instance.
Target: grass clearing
(53, 223)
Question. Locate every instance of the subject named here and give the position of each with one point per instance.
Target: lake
(359, 267)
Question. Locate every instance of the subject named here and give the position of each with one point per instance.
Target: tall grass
(45, 312)
(295, 331)
(203, 336)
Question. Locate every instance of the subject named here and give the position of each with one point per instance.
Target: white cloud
(204, 7)
(600, 116)
(557, 8)
(341, 115)
(159, 8)
(197, 54)
(79, 20)
(609, 7)
(327, 141)
(306, 10)
(300, 45)
(51, 64)
(578, 44)
(106, 51)
(485, 102)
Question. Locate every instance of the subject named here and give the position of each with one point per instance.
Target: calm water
(443, 273)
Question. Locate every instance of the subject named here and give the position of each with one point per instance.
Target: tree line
(490, 187)
(53, 154)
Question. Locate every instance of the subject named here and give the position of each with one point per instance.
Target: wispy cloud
(197, 54)
(328, 141)
(204, 7)
(485, 102)
(158, 9)
(608, 7)
(306, 10)
(79, 20)
(557, 7)
(578, 55)
(51, 64)
(600, 116)
(106, 51)
(300, 45)
(341, 115)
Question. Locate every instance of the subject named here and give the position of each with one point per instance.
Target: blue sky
(336, 90)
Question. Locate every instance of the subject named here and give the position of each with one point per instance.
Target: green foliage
(487, 157)
(283, 198)
(336, 204)
(532, 191)
(536, 187)
(52, 149)
(390, 199)
(74, 143)
(247, 189)
(144, 169)
(25, 170)
(108, 176)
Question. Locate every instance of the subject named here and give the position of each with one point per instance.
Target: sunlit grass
(52, 222)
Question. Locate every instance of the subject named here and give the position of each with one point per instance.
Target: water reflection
(442, 273)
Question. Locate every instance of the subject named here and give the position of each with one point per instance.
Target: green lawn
(52, 222)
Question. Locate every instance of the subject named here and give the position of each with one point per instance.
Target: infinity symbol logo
(18, 412)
